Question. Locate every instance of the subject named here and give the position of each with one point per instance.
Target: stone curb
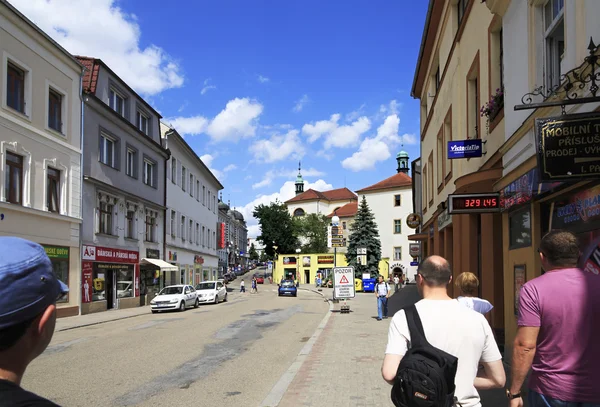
(278, 391)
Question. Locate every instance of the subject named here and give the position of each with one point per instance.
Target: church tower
(402, 159)
(299, 181)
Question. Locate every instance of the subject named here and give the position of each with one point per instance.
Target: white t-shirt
(382, 289)
(455, 329)
(396, 280)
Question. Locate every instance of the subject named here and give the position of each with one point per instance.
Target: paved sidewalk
(344, 366)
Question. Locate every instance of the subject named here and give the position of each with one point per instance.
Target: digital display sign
(474, 203)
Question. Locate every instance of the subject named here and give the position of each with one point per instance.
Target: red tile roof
(339, 194)
(90, 76)
(398, 180)
(346, 211)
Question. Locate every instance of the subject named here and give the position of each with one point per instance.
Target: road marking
(278, 391)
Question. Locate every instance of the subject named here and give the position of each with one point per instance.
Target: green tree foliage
(252, 253)
(312, 230)
(364, 233)
(277, 228)
(263, 257)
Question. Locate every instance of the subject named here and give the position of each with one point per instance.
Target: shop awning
(418, 236)
(163, 265)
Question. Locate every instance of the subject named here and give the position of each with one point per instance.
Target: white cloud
(263, 79)
(278, 147)
(287, 191)
(207, 86)
(336, 135)
(207, 159)
(101, 29)
(238, 120)
(392, 108)
(230, 167)
(300, 103)
(183, 106)
(266, 181)
(357, 113)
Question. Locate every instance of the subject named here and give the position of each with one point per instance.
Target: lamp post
(275, 247)
(335, 222)
(298, 266)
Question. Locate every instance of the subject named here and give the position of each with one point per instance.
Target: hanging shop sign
(221, 235)
(325, 259)
(444, 219)
(580, 211)
(289, 260)
(464, 149)
(152, 254)
(474, 203)
(198, 259)
(414, 249)
(568, 147)
(413, 220)
(106, 254)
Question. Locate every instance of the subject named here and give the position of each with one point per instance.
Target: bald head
(435, 270)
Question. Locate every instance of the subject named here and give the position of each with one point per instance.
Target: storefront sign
(289, 260)
(464, 149)
(56, 252)
(112, 266)
(198, 259)
(577, 211)
(305, 261)
(414, 249)
(172, 256)
(568, 147)
(87, 272)
(444, 219)
(152, 254)
(400, 266)
(105, 254)
(221, 235)
(519, 283)
(325, 259)
(474, 203)
(413, 220)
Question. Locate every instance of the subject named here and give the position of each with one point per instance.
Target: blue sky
(256, 86)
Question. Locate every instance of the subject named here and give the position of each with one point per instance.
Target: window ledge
(107, 235)
(18, 113)
(109, 166)
(39, 212)
(131, 239)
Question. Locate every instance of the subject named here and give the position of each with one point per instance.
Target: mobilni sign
(464, 149)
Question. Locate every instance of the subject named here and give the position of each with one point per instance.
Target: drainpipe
(165, 145)
(81, 184)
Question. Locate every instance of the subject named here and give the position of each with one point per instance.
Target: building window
(208, 200)
(55, 110)
(190, 231)
(197, 234)
(440, 158)
(182, 228)
(142, 122)
(191, 185)
(214, 204)
(554, 36)
(203, 195)
(500, 61)
(149, 169)
(437, 80)
(106, 218)
(15, 83)
(462, 8)
(13, 178)
(397, 226)
(425, 187)
(430, 180)
(117, 102)
(197, 190)
(183, 178)
(130, 225)
(519, 224)
(473, 111)
(150, 226)
(397, 253)
(173, 220)
(214, 239)
(397, 200)
(447, 138)
(203, 234)
(299, 212)
(107, 150)
(344, 225)
(174, 170)
(131, 162)
(53, 193)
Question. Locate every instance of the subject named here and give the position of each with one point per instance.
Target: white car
(211, 291)
(175, 297)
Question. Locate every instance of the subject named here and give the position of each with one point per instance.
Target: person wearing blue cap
(29, 290)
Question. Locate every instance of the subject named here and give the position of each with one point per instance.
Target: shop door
(110, 290)
(306, 276)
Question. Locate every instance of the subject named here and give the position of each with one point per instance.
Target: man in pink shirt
(558, 331)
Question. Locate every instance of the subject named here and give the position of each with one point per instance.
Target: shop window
(397, 226)
(519, 224)
(13, 181)
(59, 256)
(125, 282)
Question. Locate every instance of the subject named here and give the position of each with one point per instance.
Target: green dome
(299, 179)
(402, 154)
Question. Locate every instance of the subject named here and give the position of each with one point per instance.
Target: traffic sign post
(343, 286)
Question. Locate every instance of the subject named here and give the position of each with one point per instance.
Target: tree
(364, 233)
(277, 228)
(252, 253)
(312, 230)
(263, 257)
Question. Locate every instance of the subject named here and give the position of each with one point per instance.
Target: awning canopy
(418, 237)
(163, 265)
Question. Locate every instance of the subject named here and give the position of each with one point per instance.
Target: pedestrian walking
(242, 286)
(253, 285)
(451, 328)
(396, 283)
(558, 330)
(318, 282)
(468, 284)
(382, 293)
(29, 291)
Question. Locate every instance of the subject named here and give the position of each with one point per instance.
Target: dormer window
(117, 102)
(142, 122)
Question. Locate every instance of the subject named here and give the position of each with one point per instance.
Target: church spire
(299, 180)
(402, 159)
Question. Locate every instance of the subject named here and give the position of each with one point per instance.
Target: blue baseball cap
(28, 284)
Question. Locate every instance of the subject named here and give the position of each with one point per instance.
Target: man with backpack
(435, 347)
(382, 292)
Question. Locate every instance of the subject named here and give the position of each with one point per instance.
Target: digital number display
(473, 203)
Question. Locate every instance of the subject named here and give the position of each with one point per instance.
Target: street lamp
(298, 266)
(335, 222)
(275, 247)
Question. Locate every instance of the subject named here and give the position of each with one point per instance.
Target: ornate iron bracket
(574, 85)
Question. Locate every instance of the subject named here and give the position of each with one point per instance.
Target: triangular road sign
(343, 280)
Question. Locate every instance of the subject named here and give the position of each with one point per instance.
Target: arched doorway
(397, 271)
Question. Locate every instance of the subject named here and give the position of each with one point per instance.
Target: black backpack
(425, 377)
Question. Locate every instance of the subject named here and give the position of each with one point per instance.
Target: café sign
(568, 147)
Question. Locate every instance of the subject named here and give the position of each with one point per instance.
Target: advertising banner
(289, 260)
(87, 273)
(578, 212)
(325, 259)
(221, 235)
(464, 149)
(95, 253)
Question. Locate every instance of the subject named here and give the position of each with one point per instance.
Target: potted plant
(494, 106)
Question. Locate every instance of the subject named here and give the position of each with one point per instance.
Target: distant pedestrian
(382, 293)
(242, 286)
(558, 330)
(29, 291)
(468, 284)
(450, 327)
(318, 282)
(396, 283)
(253, 285)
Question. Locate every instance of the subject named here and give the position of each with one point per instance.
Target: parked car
(260, 279)
(175, 297)
(287, 287)
(211, 291)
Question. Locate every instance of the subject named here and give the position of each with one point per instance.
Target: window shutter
(96, 220)
(168, 221)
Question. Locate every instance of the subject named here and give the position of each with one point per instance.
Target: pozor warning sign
(343, 284)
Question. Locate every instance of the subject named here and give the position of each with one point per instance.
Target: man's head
(433, 272)
(29, 290)
(380, 278)
(559, 249)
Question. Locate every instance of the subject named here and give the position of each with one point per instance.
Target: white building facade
(192, 213)
(40, 147)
